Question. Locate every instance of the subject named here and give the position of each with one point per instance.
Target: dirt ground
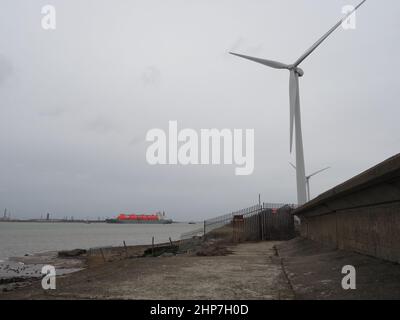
(250, 271)
(295, 269)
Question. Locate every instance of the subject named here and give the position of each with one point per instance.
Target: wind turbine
(309, 177)
(294, 94)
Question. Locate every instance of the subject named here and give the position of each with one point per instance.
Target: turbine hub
(299, 72)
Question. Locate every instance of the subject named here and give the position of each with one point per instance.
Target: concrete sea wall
(361, 215)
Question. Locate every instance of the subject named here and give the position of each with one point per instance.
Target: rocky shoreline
(18, 272)
(215, 270)
(296, 269)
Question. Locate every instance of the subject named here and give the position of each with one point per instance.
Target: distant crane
(308, 179)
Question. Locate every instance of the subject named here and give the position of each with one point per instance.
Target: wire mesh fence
(189, 240)
(194, 233)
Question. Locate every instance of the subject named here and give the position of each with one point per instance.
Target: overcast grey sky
(76, 103)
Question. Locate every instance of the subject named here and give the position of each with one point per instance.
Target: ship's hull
(163, 221)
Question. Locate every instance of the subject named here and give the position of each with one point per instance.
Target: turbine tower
(309, 177)
(294, 95)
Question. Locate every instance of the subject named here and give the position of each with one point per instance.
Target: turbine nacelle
(298, 70)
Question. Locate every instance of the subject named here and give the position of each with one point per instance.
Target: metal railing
(226, 219)
(251, 215)
(278, 205)
(218, 222)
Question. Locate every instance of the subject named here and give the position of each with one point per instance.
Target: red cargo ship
(141, 218)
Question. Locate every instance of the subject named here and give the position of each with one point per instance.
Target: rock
(71, 253)
(160, 250)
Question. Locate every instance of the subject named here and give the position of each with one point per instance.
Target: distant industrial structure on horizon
(7, 218)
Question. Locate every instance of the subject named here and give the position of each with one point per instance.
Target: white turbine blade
(326, 35)
(319, 171)
(293, 94)
(269, 63)
(294, 167)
